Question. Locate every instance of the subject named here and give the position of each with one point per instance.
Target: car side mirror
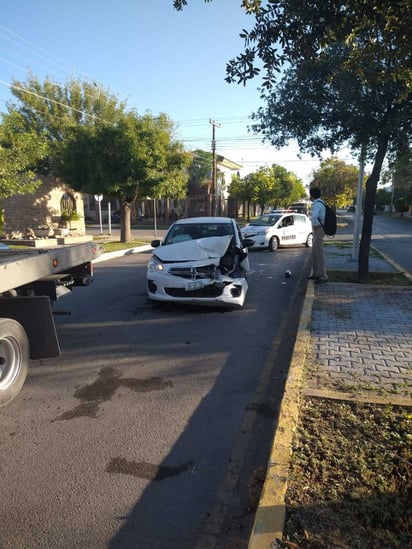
(247, 242)
(155, 243)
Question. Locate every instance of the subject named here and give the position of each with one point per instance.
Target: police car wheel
(309, 241)
(273, 244)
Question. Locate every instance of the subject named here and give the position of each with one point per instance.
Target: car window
(195, 231)
(265, 220)
(287, 221)
(216, 229)
(300, 219)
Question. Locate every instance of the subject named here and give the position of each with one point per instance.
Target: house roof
(226, 163)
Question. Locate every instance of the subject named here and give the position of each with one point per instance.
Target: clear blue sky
(159, 59)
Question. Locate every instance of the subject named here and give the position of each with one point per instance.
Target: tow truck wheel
(14, 359)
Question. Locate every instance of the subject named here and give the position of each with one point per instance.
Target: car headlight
(261, 233)
(155, 264)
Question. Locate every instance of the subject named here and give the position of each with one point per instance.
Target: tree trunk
(371, 186)
(125, 231)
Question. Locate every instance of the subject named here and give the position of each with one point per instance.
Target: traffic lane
(140, 413)
(212, 439)
(390, 236)
(398, 248)
(393, 237)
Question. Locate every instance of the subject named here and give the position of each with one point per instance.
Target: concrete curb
(120, 253)
(270, 514)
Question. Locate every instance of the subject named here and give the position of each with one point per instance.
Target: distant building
(201, 200)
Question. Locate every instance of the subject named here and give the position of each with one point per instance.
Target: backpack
(330, 224)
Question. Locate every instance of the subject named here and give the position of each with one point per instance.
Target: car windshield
(194, 231)
(266, 220)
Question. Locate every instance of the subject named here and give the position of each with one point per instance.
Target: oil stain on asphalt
(145, 470)
(101, 390)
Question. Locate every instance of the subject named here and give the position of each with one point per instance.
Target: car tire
(273, 244)
(309, 241)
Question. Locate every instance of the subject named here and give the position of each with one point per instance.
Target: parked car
(115, 217)
(279, 229)
(201, 261)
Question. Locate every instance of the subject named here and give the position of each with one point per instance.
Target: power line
(49, 57)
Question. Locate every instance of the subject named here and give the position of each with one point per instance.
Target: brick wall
(29, 211)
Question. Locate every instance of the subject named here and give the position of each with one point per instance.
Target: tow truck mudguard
(36, 317)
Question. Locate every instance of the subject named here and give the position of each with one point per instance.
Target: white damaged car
(201, 261)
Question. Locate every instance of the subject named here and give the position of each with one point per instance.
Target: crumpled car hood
(212, 247)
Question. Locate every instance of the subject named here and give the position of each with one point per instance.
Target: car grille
(194, 273)
(207, 291)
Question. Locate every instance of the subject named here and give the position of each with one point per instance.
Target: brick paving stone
(362, 334)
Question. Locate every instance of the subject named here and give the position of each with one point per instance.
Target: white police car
(270, 231)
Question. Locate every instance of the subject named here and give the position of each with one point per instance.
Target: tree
(383, 198)
(268, 186)
(288, 187)
(201, 167)
(335, 73)
(75, 131)
(134, 158)
(20, 150)
(51, 112)
(38, 120)
(337, 180)
(401, 205)
(401, 173)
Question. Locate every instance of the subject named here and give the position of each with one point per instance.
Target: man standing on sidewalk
(318, 271)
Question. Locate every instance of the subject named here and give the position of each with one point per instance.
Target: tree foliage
(337, 180)
(135, 158)
(49, 112)
(270, 186)
(333, 72)
(84, 134)
(401, 205)
(20, 150)
(200, 169)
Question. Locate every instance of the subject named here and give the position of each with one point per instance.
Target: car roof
(209, 219)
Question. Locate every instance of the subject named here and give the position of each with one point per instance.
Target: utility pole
(213, 198)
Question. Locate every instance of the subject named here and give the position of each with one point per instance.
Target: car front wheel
(309, 241)
(273, 244)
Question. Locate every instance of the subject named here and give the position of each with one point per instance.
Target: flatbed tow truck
(30, 281)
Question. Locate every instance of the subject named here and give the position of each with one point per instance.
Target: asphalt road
(390, 235)
(153, 428)
(393, 237)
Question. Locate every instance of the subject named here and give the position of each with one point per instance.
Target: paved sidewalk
(354, 343)
(361, 336)
(361, 343)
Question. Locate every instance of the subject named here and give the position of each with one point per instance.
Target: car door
(302, 228)
(287, 231)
